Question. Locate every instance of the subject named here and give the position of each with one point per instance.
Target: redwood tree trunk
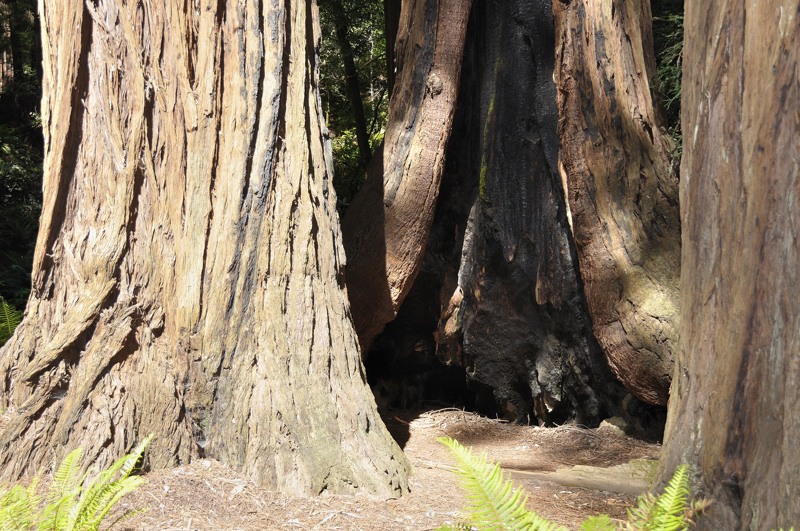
(513, 311)
(387, 225)
(188, 277)
(733, 412)
(623, 188)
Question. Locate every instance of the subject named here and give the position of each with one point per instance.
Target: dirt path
(208, 496)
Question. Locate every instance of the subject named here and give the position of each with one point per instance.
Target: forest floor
(207, 495)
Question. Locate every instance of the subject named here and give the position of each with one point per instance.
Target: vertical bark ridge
(61, 113)
(734, 398)
(621, 187)
(385, 241)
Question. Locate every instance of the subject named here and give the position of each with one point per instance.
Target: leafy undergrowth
(495, 503)
(10, 317)
(75, 502)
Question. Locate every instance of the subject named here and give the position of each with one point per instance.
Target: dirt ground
(209, 496)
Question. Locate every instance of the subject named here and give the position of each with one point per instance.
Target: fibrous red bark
(188, 278)
(733, 408)
(623, 189)
(387, 225)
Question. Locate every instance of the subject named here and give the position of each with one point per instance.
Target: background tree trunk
(351, 80)
(391, 16)
(188, 277)
(513, 312)
(388, 223)
(734, 403)
(623, 189)
(498, 291)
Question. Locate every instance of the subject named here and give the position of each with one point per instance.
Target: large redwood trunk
(733, 413)
(189, 278)
(499, 292)
(622, 187)
(387, 225)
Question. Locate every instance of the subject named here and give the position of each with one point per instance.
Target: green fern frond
(66, 487)
(672, 504)
(17, 505)
(494, 503)
(9, 320)
(666, 512)
(73, 503)
(105, 490)
(598, 523)
(460, 526)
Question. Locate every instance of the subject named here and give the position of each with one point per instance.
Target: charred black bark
(513, 312)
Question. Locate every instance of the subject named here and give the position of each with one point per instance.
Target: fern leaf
(61, 498)
(639, 517)
(17, 507)
(494, 503)
(459, 526)
(598, 523)
(671, 506)
(103, 491)
(666, 512)
(9, 319)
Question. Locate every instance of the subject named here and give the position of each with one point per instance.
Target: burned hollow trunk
(500, 265)
(188, 278)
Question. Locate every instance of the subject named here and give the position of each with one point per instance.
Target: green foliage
(666, 512)
(17, 507)
(9, 319)
(366, 36)
(494, 502)
(21, 145)
(20, 169)
(20, 206)
(74, 503)
(668, 47)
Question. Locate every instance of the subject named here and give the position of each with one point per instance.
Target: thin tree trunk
(391, 14)
(36, 45)
(388, 223)
(188, 277)
(623, 190)
(16, 26)
(733, 412)
(351, 80)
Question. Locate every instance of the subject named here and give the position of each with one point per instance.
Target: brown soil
(207, 495)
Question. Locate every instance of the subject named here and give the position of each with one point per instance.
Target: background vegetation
(20, 146)
(668, 45)
(363, 30)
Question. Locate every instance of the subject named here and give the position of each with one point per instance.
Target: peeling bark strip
(188, 271)
(388, 223)
(733, 412)
(623, 191)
